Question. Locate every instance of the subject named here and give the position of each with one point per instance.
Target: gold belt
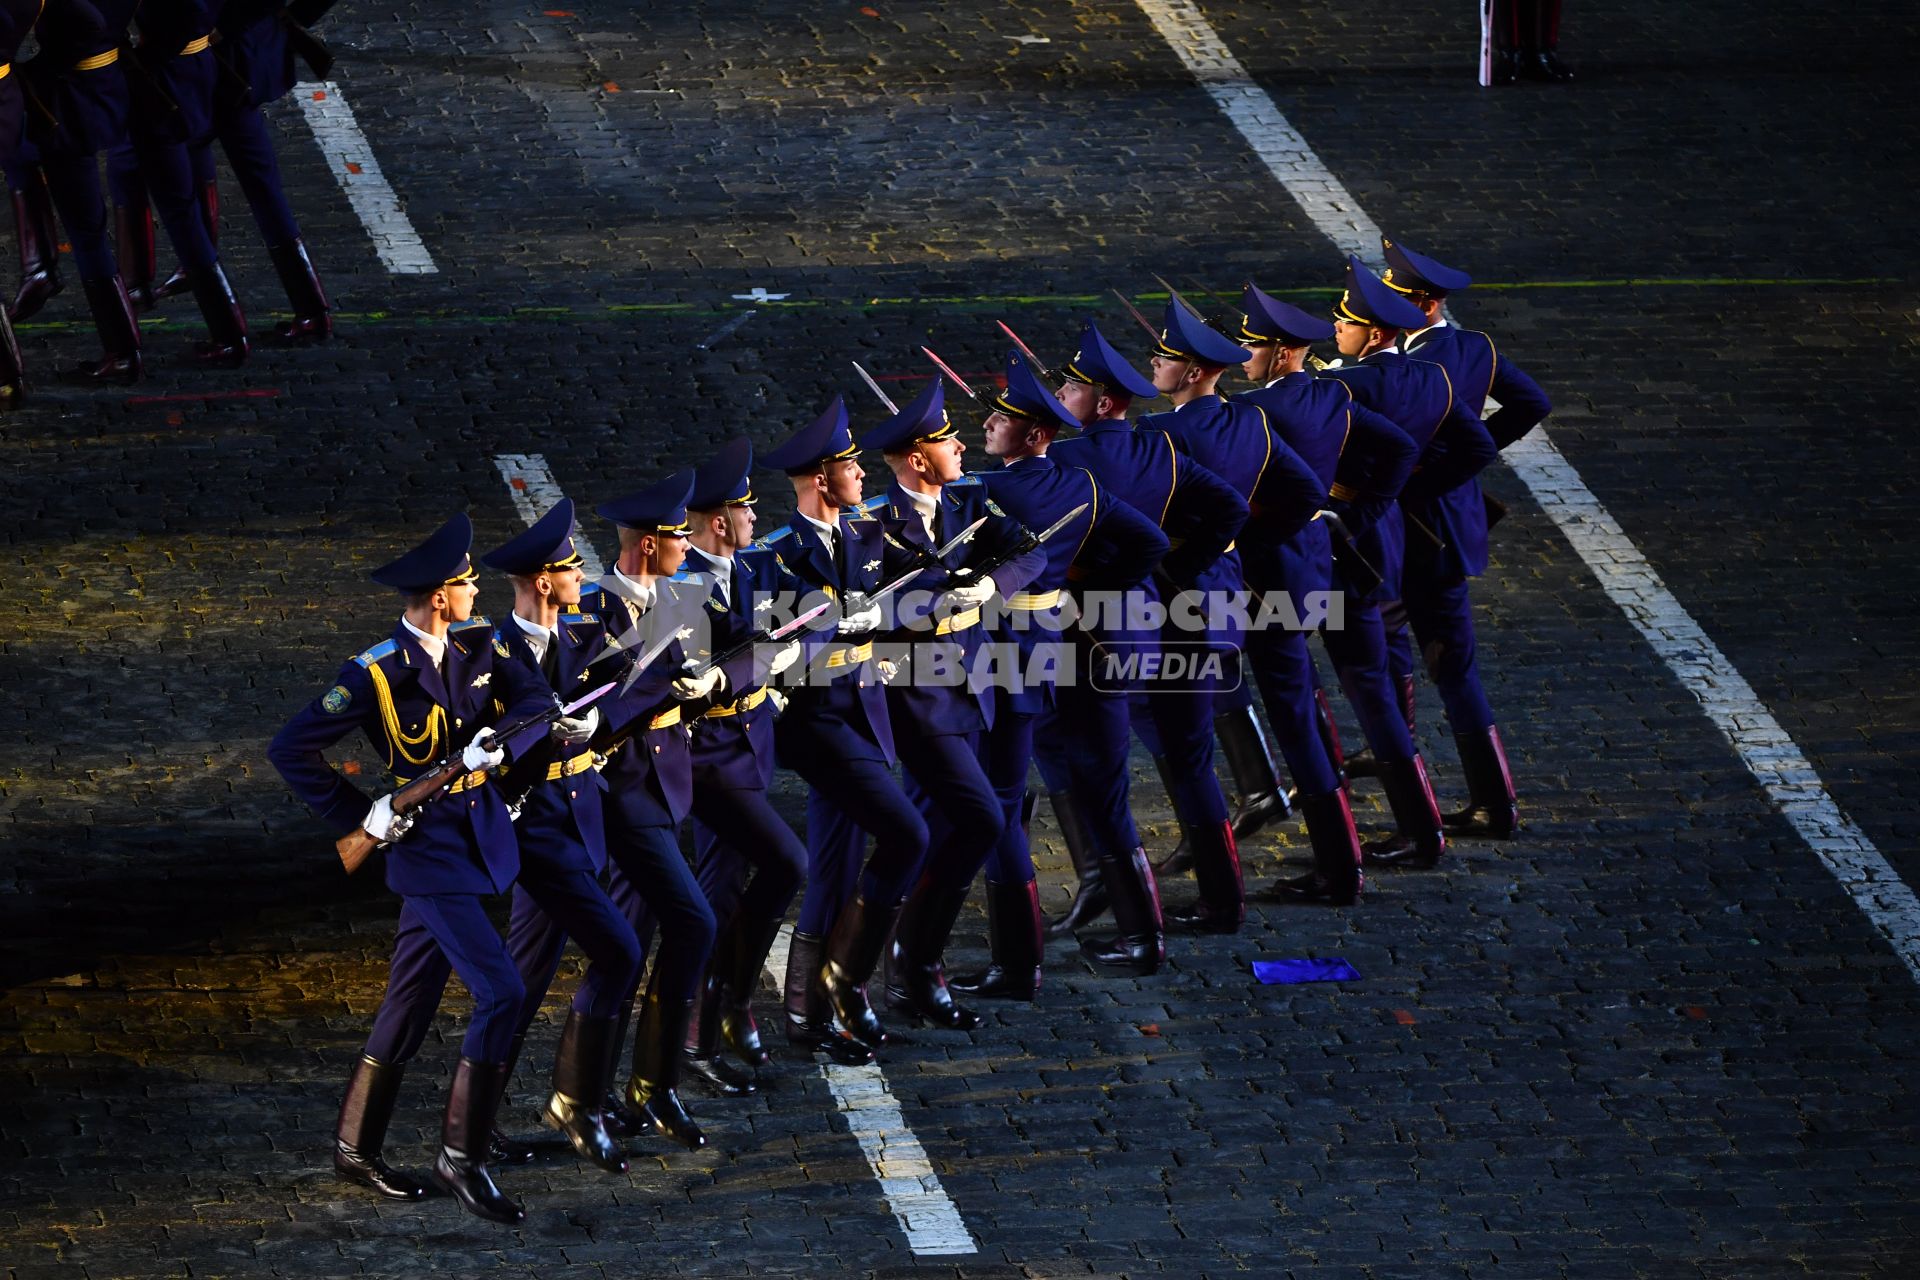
(192, 47)
(567, 768)
(747, 703)
(850, 655)
(666, 719)
(1029, 600)
(6, 69)
(958, 622)
(98, 61)
(468, 782)
(1342, 492)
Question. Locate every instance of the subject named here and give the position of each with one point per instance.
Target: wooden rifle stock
(357, 846)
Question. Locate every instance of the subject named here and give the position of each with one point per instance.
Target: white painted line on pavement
(358, 172)
(530, 481)
(1770, 754)
(925, 1211)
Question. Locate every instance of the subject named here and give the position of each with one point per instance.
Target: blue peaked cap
(439, 560)
(725, 479)
(1410, 272)
(659, 508)
(1370, 300)
(1027, 397)
(825, 439)
(1266, 319)
(1187, 337)
(1098, 364)
(545, 544)
(925, 419)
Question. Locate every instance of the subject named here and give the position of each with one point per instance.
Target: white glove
(577, 731)
(888, 669)
(784, 657)
(861, 621)
(687, 688)
(477, 757)
(972, 595)
(381, 823)
(778, 699)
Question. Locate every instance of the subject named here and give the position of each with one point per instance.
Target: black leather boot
(208, 198)
(133, 247)
(853, 952)
(357, 1139)
(1180, 861)
(702, 1050)
(1505, 42)
(917, 981)
(1140, 948)
(1540, 40)
(502, 1149)
(13, 370)
(1335, 879)
(1259, 797)
(462, 1167)
(1090, 899)
(579, 1082)
(1419, 842)
(312, 316)
(809, 1022)
(1492, 808)
(226, 346)
(39, 237)
(1014, 945)
(620, 1120)
(119, 332)
(746, 956)
(1216, 869)
(656, 1070)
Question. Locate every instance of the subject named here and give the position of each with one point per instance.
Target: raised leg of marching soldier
(1359, 653)
(249, 148)
(206, 190)
(1400, 669)
(1013, 897)
(1089, 896)
(38, 238)
(75, 183)
(833, 869)
(1441, 617)
(1260, 798)
(1183, 727)
(132, 224)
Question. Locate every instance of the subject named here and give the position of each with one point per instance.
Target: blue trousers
(1440, 616)
(1178, 727)
(166, 173)
(737, 830)
(1282, 667)
(440, 934)
(1008, 747)
(552, 904)
(245, 138)
(74, 184)
(852, 788)
(1359, 653)
(948, 784)
(650, 881)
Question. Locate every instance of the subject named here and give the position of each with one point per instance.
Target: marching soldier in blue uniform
(1233, 440)
(16, 22)
(77, 77)
(563, 847)
(433, 689)
(649, 775)
(1416, 397)
(1437, 591)
(837, 735)
(258, 40)
(1320, 421)
(736, 829)
(1108, 547)
(937, 712)
(1201, 515)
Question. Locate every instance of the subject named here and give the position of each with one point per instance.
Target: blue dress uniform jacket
(927, 704)
(1109, 546)
(843, 688)
(77, 75)
(254, 51)
(1475, 370)
(733, 745)
(649, 769)
(16, 23)
(562, 815)
(172, 99)
(414, 715)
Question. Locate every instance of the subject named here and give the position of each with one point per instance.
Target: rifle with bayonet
(358, 845)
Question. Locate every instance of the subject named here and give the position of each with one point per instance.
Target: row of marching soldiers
(917, 781)
(147, 87)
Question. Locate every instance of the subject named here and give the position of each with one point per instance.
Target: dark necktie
(550, 661)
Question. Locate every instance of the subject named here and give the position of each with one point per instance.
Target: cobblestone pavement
(1652, 1037)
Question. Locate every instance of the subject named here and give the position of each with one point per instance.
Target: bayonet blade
(1134, 311)
(957, 380)
(1061, 523)
(959, 539)
(874, 387)
(1027, 351)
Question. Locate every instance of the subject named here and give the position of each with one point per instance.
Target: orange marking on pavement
(352, 167)
(175, 418)
(1696, 1012)
(1149, 1028)
(611, 87)
(518, 483)
(556, 13)
(319, 95)
(871, 13)
(1402, 1017)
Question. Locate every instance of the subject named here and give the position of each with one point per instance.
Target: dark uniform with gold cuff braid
(1436, 592)
(563, 850)
(462, 847)
(837, 735)
(649, 774)
(937, 713)
(736, 830)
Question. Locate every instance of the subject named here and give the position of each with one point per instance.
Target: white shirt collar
(827, 531)
(640, 596)
(537, 636)
(1408, 339)
(925, 505)
(436, 648)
